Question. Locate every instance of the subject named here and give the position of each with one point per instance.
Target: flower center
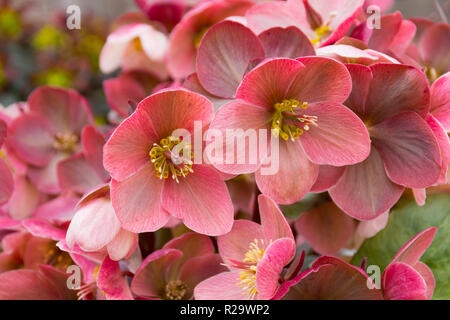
(432, 74)
(199, 36)
(176, 290)
(321, 32)
(288, 123)
(167, 160)
(137, 45)
(247, 277)
(65, 142)
(59, 259)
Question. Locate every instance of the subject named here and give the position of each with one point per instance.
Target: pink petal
(150, 278)
(46, 178)
(235, 244)
(406, 138)
(328, 177)
(440, 100)
(364, 191)
(287, 42)
(93, 142)
(420, 195)
(224, 56)
(137, 201)
(31, 137)
(383, 38)
(123, 245)
(274, 224)
(434, 47)
(111, 281)
(411, 252)
(224, 286)
(201, 200)
(340, 138)
(295, 177)
(394, 89)
(361, 78)
(401, 282)
(127, 151)
(326, 228)
(7, 182)
(60, 209)
(428, 276)
(276, 256)
(44, 229)
(241, 119)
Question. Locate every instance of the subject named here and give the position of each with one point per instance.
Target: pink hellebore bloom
(6, 178)
(167, 12)
(151, 181)
(255, 254)
(84, 170)
(48, 133)
(324, 22)
(186, 36)
(172, 272)
(135, 46)
(406, 278)
(393, 101)
(301, 102)
(95, 227)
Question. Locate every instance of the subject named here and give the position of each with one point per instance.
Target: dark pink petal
(411, 252)
(235, 244)
(268, 83)
(3, 132)
(201, 200)
(233, 154)
(173, 109)
(65, 109)
(328, 177)
(394, 89)
(403, 37)
(322, 79)
(192, 83)
(361, 78)
(295, 177)
(287, 42)
(434, 47)
(224, 286)
(406, 138)
(402, 282)
(7, 182)
(278, 254)
(224, 56)
(93, 142)
(44, 229)
(197, 269)
(127, 151)
(137, 201)
(340, 137)
(440, 100)
(333, 279)
(111, 281)
(326, 228)
(31, 137)
(274, 224)
(150, 279)
(428, 276)
(364, 191)
(383, 37)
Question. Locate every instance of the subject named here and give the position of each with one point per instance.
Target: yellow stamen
(176, 290)
(65, 142)
(296, 124)
(167, 162)
(320, 33)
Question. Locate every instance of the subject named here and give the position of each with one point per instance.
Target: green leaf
(309, 201)
(406, 220)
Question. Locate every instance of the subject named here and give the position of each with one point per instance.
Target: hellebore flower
(167, 12)
(151, 181)
(440, 101)
(135, 46)
(300, 102)
(255, 254)
(84, 170)
(330, 278)
(95, 227)
(186, 36)
(6, 178)
(324, 22)
(172, 272)
(406, 278)
(49, 133)
(393, 101)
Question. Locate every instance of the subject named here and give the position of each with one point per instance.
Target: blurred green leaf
(310, 201)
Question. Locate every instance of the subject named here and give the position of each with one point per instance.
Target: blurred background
(36, 48)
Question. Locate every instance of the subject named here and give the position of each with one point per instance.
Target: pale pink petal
(137, 201)
(46, 178)
(274, 224)
(420, 195)
(407, 138)
(364, 191)
(326, 228)
(224, 286)
(328, 177)
(295, 176)
(224, 56)
(123, 245)
(340, 137)
(201, 200)
(44, 229)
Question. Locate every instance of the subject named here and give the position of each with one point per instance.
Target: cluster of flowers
(361, 114)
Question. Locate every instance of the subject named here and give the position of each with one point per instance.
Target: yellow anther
(320, 33)
(65, 142)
